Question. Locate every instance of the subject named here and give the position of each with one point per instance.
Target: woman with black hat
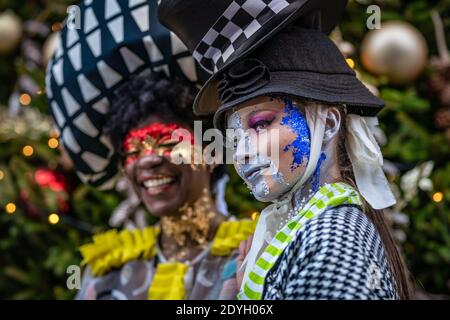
(278, 83)
(117, 108)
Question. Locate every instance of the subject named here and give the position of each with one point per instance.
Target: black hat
(297, 62)
(115, 41)
(220, 32)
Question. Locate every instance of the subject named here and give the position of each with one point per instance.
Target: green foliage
(35, 254)
(408, 121)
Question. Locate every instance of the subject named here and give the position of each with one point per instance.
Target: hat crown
(298, 49)
(300, 63)
(190, 19)
(218, 32)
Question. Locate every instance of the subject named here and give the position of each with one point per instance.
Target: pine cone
(442, 118)
(436, 82)
(444, 96)
(439, 81)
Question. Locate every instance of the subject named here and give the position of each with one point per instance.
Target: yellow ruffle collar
(112, 249)
(229, 236)
(168, 282)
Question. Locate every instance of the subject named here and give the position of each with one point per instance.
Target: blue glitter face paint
(315, 183)
(297, 123)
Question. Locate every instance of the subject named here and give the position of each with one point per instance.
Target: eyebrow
(255, 106)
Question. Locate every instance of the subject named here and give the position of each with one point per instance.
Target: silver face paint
(258, 170)
(252, 174)
(279, 178)
(234, 121)
(257, 174)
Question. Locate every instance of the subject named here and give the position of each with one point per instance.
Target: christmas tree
(46, 212)
(407, 62)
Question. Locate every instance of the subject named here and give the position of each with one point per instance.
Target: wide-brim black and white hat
(101, 47)
(218, 33)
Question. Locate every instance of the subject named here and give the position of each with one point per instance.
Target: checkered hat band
(241, 20)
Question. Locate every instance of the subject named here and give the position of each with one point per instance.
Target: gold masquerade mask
(156, 138)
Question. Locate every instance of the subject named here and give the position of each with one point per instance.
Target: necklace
(295, 210)
(194, 224)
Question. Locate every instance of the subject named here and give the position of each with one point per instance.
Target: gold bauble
(10, 31)
(397, 50)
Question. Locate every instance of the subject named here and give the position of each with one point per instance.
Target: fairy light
(10, 208)
(350, 62)
(28, 151)
(54, 133)
(438, 197)
(254, 215)
(2, 175)
(25, 99)
(53, 143)
(53, 218)
(56, 27)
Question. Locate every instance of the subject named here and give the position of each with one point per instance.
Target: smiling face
(162, 186)
(271, 147)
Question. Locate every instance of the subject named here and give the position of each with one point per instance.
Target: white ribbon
(219, 190)
(367, 162)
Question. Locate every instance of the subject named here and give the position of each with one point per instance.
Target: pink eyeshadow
(260, 117)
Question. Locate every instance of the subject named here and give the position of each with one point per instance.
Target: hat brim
(331, 13)
(328, 88)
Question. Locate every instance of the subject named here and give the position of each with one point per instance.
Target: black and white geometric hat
(115, 40)
(218, 33)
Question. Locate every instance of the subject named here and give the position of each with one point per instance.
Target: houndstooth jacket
(337, 255)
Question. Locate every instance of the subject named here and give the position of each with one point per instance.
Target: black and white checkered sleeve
(337, 255)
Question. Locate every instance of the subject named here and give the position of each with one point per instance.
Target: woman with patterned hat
(191, 252)
(118, 110)
(300, 126)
